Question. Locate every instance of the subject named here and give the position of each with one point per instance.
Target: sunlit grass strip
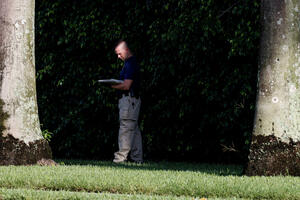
(152, 179)
(31, 194)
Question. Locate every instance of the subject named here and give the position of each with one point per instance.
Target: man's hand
(123, 86)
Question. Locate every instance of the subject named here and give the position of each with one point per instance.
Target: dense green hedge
(199, 65)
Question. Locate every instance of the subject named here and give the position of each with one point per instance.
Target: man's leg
(126, 134)
(136, 153)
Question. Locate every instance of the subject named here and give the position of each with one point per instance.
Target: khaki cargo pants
(130, 139)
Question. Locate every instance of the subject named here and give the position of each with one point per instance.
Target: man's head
(122, 50)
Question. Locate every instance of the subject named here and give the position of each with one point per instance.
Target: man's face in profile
(122, 51)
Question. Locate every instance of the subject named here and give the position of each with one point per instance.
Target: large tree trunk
(21, 141)
(275, 147)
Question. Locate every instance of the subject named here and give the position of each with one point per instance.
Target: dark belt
(129, 94)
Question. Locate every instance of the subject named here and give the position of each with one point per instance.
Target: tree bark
(275, 147)
(21, 140)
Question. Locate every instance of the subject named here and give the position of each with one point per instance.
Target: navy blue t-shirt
(131, 71)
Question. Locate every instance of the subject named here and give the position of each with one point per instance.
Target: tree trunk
(21, 141)
(275, 147)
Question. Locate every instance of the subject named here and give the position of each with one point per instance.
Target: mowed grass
(42, 195)
(95, 179)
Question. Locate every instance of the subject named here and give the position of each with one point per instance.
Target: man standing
(129, 139)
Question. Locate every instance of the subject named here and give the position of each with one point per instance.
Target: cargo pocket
(134, 108)
(124, 112)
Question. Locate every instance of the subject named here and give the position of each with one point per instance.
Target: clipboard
(111, 81)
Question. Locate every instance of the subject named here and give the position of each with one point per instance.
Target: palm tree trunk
(275, 147)
(21, 141)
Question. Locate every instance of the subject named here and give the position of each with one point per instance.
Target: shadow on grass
(215, 169)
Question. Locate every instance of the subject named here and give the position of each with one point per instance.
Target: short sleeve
(129, 74)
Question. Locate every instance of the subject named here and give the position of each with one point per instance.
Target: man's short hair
(120, 42)
(125, 43)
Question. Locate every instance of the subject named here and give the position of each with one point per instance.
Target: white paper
(111, 81)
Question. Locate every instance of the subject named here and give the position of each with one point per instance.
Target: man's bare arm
(123, 86)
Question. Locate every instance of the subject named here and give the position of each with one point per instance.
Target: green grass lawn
(105, 180)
